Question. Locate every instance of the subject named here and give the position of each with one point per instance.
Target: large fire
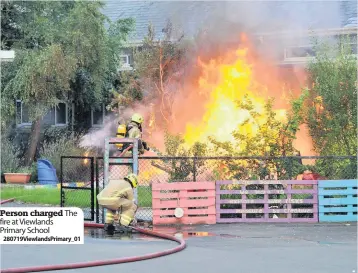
(208, 105)
(214, 101)
(233, 83)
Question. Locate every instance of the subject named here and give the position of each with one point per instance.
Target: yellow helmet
(121, 130)
(133, 179)
(137, 118)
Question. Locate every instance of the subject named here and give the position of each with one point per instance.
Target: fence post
(106, 162)
(92, 188)
(97, 190)
(290, 167)
(61, 182)
(194, 169)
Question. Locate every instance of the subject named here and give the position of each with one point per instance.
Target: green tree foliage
(156, 62)
(9, 30)
(183, 169)
(64, 53)
(273, 138)
(332, 104)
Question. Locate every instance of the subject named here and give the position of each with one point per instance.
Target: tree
(65, 53)
(332, 103)
(156, 64)
(9, 29)
(263, 134)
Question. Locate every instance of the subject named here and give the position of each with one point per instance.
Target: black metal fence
(79, 186)
(185, 169)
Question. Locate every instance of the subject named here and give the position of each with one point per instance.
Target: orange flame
(86, 160)
(215, 97)
(229, 82)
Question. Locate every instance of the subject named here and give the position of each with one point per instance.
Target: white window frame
(126, 65)
(21, 123)
(54, 109)
(103, 116)
(289, 48)
(66, 110)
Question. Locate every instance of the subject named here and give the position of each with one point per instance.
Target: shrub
(63, 146)
(9, 156)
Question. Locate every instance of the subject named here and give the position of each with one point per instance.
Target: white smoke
(96, 137)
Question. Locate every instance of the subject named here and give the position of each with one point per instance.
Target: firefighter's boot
(123, 229)
(109, 228)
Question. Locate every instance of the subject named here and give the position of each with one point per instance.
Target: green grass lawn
(76, 198)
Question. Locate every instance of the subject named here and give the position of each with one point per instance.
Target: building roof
(189, 17)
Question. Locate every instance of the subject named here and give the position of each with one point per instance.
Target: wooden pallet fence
(266, 201)
(197, 199)
(337, 200)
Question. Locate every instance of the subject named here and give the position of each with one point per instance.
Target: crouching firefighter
(118, 194)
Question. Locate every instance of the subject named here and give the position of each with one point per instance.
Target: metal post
(135, 165)
(92, 188)
(106, 162)
(194, 169)
(61, 182)
(97, 191)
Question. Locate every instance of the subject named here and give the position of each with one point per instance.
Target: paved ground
(251, 248)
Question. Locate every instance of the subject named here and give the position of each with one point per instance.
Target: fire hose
(178, 248)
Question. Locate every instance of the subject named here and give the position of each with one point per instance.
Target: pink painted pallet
(266, 201)
(197, 199)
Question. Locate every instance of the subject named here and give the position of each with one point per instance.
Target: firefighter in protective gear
(134, 130)
(118, 194)
(121, 133)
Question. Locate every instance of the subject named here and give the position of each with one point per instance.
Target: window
(299, 52)
(22, 113)
(97, 116)
(125, 62)
(57, 116)
(61, 114)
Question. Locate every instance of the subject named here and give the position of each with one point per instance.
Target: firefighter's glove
(145, 146)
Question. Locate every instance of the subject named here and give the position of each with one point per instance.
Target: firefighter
(118, 194)
(134, 130)
(121, 133)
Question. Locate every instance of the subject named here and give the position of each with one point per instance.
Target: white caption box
(32, 225)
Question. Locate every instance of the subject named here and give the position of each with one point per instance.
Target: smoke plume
(219, 32)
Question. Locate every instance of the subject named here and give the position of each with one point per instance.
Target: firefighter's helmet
(137, 118)
(133, 179)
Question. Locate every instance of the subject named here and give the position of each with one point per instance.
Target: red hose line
(181, 246)
(7, 201)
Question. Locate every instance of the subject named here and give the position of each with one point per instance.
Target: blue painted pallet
(337, 200)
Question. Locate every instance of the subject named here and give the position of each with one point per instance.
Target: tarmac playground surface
(247, 248)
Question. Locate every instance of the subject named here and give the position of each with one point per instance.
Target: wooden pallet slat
(197, 199)
(270, 201)
(182, 203)
(267, 182)
(337, 200)
(189, 194)
(262, 207)
(208, 220)
(264, 210)
(271, 220)
(183, 186)
(328, 192)
(210, 210)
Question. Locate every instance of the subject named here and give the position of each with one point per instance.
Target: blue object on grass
(46, 172)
